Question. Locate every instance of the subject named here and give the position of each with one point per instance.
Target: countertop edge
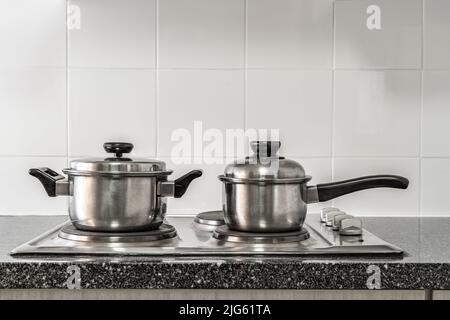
(302, 275)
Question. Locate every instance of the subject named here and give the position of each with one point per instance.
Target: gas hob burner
(225, 234)
(165, 231)
(210, 218)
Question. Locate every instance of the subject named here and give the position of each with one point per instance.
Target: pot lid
(117, 163)
(265, 164)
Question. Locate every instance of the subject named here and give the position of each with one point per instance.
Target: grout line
(31, 67)
(333, 95)
(111, 68)
(437, 69)
(422, 35)
(12, 156)
(245, 61)
(67, 89)
(156, 141)
(293, 69)
(378, 69)
(419, 200)
(284, 68)
(375, 157)
(287, 155)
(305, 157)
(421, 112)
(435, 157)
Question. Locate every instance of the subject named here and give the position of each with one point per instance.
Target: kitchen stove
(181, 236)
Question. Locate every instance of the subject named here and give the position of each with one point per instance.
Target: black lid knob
(265, 148)
(119, 148)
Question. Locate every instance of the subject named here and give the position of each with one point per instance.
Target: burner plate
(165, 231)
(210, 218)
(225, 234)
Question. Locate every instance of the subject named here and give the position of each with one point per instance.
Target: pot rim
(73, 172)
(263, 181)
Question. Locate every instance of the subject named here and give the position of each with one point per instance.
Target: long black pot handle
(328, 191)
(48, 178)
(182, 183)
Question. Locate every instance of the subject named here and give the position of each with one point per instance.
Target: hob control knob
(324, 211)
(337, 221)
(331, 215)
(350, 227)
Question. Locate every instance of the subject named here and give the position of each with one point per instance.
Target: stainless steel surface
(165, 231)
(194, 242)
(262, 166)
(337, 221)
(223, 233)
(210, 218)
(264, 181)
(109, 204)
(269, 208)
(351, 227)
(114, 194)
(312, 194)
(116, 166)
(166, 189)
(63, 187)
(117, 174)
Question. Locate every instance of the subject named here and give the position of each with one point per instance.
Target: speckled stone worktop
(426, 265)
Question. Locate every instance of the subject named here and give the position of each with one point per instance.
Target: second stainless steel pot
(115, 194)
(267, 193)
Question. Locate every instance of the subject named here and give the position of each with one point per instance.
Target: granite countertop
(426, 265)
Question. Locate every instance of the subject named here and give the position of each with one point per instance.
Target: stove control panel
(337, 220)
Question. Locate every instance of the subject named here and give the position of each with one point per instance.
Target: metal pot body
(115, 201)
(129, 203)
(264, 207)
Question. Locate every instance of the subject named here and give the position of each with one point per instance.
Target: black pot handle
(328, 191)
(48, 178)
(182, 183)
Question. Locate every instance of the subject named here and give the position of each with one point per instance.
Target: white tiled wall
(348, 101)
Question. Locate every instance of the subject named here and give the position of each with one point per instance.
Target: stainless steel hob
(182, 236)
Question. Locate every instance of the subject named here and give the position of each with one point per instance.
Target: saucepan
(116, 194)
(268, 193)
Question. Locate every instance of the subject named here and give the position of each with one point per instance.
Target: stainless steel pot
(115, 194)
(268, 193)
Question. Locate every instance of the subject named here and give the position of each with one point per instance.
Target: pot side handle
(328, 191)
(54, 183)
(182, 183)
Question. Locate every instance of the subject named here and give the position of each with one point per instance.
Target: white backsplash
(348, 101)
